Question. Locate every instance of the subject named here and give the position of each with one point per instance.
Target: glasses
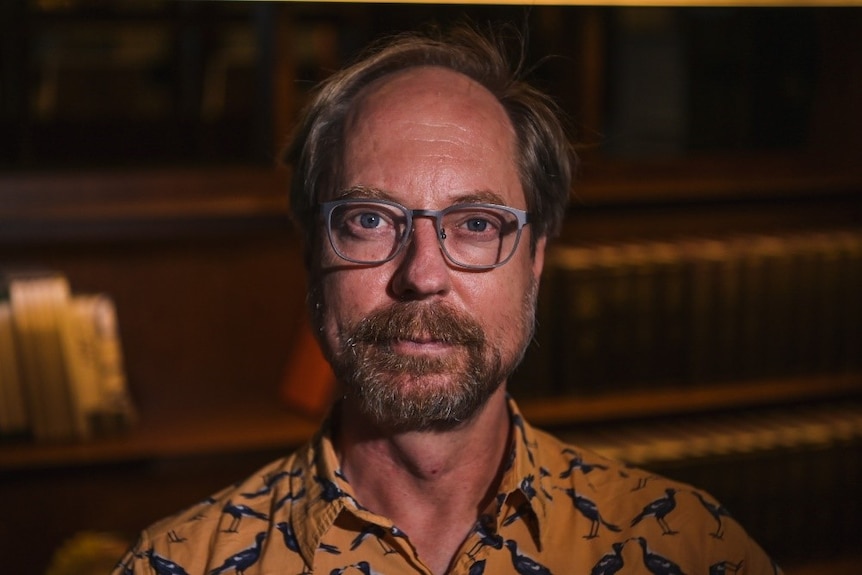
(472, 236)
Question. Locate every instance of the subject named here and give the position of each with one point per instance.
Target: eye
(368, 220)
(477, 224)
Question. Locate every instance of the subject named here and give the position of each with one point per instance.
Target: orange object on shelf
(308, 384)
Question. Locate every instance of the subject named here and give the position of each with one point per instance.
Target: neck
(424, 479)
(478, 444)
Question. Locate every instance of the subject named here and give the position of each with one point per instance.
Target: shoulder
(652, 517)
(252, 496)
(224, 523)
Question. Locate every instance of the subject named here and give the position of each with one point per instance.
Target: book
(68, 361)
(38, 303)
(13, 411)
(95, 358)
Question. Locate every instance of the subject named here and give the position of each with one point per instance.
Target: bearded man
(428, 178)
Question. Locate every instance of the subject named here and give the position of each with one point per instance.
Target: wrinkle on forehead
(392, 94)
(430, 130)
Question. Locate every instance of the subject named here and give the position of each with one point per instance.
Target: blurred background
(700, 316)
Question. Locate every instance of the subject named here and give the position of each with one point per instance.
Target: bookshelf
(267, 426)
(177, 212)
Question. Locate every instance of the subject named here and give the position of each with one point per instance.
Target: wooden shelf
(660, 402)
(110, 204)
(716, 177)
(270, 427)
(253, 428)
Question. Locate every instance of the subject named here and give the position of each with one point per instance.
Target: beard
(405, 392)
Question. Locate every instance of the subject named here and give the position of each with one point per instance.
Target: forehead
(402, 91)
(431, 129)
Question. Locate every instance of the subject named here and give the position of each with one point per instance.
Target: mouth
(420, 346)
(414, 330)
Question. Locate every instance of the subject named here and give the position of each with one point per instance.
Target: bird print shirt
(559, 509)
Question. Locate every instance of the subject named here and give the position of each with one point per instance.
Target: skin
(427, 138)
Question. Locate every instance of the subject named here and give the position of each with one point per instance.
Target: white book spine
(13, 409)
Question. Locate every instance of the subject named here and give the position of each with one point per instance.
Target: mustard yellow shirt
(559, 509)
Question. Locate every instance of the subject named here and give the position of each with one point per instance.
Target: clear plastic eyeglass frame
(512, 222)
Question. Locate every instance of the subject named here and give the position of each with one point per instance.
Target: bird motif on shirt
(289, 497)
(204, 506)
(372, 530)
(655, 563)
(589, 510)
(163, 566)
(241, 561)
(126, 568)
(722, 567)
(362, 566)
(396, 532)
(717, 511)
(269, 482)
(327, 548)
(290, 540)
(659, 509)
(237, 512)
(487, 538)
(523, 564)
(524, 511)
(527, 486)
(610, 562)
(518, 422)
(329, 491)
(576, 462)
(642, 481)
(477, 568)
(543, 474)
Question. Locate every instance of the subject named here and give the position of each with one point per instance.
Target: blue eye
(477, 225)
(369, 220)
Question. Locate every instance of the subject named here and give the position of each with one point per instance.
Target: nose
(423, 270)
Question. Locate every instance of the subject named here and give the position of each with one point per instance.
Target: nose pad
(429, 240)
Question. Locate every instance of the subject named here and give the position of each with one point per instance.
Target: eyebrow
(363, 192)
(372, 193)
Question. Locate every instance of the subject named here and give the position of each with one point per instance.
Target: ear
(539, 258)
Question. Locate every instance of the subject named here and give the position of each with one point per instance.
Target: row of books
(617, 316)
(61, 363)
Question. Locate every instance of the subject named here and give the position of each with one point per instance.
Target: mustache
(418, 321)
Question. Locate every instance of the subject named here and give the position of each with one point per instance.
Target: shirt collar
(523, 480)
(329, 493)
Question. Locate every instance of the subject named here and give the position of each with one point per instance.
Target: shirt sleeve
(135, 561)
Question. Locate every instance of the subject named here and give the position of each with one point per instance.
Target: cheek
(500, 305)
(349, 295)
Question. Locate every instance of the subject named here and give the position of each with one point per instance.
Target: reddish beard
(418, 392)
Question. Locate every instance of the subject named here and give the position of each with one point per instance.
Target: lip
(420, 346)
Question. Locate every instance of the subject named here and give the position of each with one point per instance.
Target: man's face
(417, 342)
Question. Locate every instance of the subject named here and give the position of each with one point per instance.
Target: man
(427, 180)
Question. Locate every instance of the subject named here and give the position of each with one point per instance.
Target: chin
(423, 403)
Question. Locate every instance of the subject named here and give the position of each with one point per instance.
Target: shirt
(559, 509)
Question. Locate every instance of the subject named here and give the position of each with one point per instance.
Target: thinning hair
(546, 157)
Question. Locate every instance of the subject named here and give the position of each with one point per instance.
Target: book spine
(13, 411)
